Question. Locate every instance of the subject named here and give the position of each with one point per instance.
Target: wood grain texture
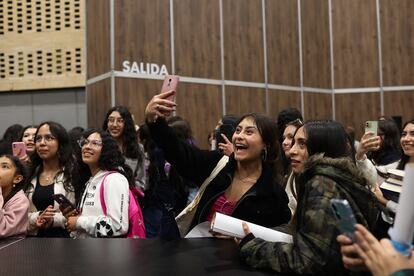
(315, 44)
(279, 100)
(356, 108)
(397, 30)
(98, 101)
(355, 43)
(201, 106)
(142, 32)
(197, 38)
(241, 100)
(243, 40)
(318, 106)
(282, 42)
(97, 37)
(135, 94)
(399, 103)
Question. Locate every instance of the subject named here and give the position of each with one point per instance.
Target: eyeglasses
(113, 120)
(48, 138)
(93, 143)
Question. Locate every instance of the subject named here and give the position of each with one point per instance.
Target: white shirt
(92, 222)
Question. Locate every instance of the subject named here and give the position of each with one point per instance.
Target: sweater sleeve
(313, 247)
(191, 162)
(115, 222)
(366, 166)
(13, 215)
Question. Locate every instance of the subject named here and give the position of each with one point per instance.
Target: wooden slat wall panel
(197, 38)
(97, 40)
(135, 94)
(282, 42)
(279, 100)
(142, 32)
(315, 42)
(98, 101)
(243, 40)
(399, 103)
(356, 108)
(317, 106)
(355, 43)
(241, 100)
(397, 30)
(201, 106)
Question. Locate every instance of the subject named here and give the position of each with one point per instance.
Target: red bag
(136, 228)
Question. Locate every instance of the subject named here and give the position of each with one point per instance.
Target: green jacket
(314, 227)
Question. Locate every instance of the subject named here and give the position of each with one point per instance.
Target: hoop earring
(264, 154)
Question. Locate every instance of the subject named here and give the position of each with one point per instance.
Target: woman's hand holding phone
(368, 142)
(160, 106)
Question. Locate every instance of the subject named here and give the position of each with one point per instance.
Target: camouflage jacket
(314, 228)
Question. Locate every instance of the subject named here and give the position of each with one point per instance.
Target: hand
(71, 223)
(226, 148)
(379, 195)
(368, 143)
(25, 159)
(159, 106)
(45, 219)
(220, 236)
(380, 257)
(246, 231)
(68, 211)
(350, 256)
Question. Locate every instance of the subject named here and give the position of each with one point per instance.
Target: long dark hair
(326, 136)
(285, 161)
(66, 159)
(390, 147)
(20, 170)
(111, 158)
(404, 158)
(269, 133)
(131, 148)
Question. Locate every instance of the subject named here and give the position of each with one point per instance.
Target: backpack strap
(101, 191)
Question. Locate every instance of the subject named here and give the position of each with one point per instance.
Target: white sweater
(58, 188)
(92, 222)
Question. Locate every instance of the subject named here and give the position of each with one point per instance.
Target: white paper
(233, 227)
(200, 231)
(403, 229)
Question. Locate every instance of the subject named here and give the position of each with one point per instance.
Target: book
(231, 226)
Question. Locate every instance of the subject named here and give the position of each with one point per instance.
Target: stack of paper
(233, 227)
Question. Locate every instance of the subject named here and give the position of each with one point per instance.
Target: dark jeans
(159, 222)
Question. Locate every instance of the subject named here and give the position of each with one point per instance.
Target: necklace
(247, 179)
(48, 177)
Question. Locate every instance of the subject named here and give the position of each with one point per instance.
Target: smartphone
(346, 220)
(225, 129)
(371, 126)
(19, 149)
(170, 83)
(63, 201)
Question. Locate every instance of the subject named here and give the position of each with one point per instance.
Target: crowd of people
(280, 174)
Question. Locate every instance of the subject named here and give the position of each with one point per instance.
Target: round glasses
(92, 143)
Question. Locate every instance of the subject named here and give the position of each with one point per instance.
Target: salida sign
(144, 68)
